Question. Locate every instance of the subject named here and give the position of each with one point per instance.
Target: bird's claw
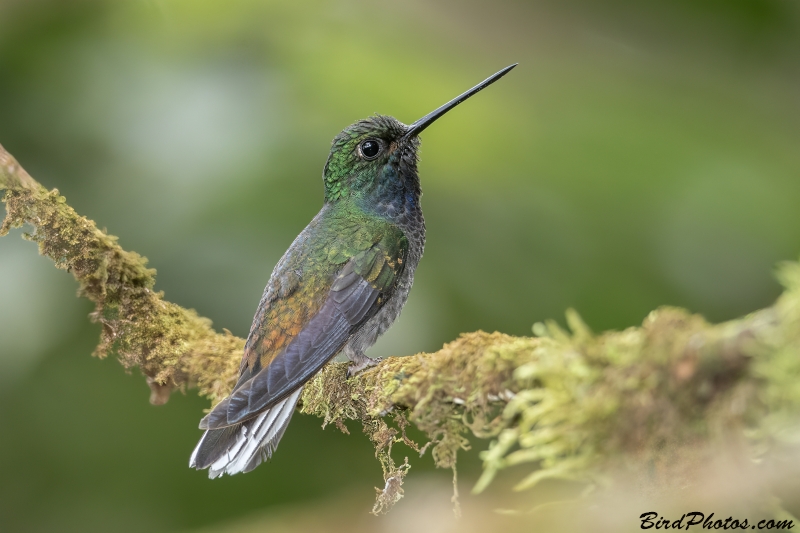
(360, 364)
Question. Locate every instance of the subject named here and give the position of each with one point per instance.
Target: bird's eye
(370, 149)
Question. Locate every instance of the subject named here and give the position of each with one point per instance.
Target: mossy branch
(173, 346)
(577, 405)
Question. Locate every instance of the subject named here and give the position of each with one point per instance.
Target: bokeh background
(642, 154)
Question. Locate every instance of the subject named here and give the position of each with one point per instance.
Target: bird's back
(334, 279)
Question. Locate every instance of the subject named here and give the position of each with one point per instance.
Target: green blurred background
(642, 154)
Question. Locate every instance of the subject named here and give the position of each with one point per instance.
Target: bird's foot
(359, 363)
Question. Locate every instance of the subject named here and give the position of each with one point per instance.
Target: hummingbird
(339, 286)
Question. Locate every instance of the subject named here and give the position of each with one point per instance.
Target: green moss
(653, 401)
(173, 346)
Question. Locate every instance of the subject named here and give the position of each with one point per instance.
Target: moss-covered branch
(173, 346)
(576, 405)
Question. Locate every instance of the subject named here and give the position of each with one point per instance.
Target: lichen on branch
(654, 400)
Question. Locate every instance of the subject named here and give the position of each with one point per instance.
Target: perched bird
(338, 287)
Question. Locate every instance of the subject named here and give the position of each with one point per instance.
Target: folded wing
(355, 293)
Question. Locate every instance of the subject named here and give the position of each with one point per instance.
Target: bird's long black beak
(417, 127)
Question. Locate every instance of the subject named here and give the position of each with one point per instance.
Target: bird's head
(369, 156)
(376, 158)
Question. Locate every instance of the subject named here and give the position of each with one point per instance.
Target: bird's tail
(242, 447)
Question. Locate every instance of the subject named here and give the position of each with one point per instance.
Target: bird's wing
(303, 329)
